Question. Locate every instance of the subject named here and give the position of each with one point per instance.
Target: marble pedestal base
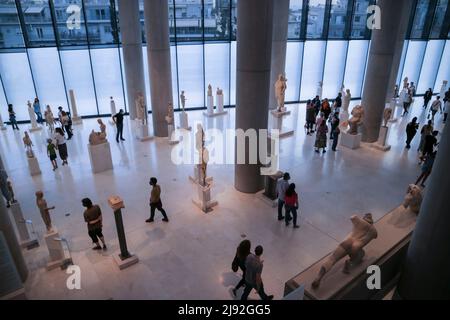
(33, 165)
(197, 177)
(352, 141)
(343, 116)
(100, 156)
(269, 194)
(171, 133)
(219, 100)
(382, 139)
(57, 256)
(393, 106)
(210, 104)
(214, 114)
(279, 114)
(142, 132)
(184, 122)
(204, 201)
(125, 263)
(34, 129)
(77, 120)
(25, 240)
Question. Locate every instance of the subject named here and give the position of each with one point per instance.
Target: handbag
(235, 264)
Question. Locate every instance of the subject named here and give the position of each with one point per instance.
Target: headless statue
(280, 90)
(28, 145)
(362, 233)
(44, 210)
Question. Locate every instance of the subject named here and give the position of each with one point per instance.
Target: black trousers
(248, 289)
(95, 234)
(69, 131)
(157, 205)
(119, 131)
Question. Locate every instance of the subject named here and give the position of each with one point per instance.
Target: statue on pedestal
(102, 127)
(28, 145)
(49, 118)
(219, 92)
(413, 198)
(346, 97)
(182, 100)
(4, 187)
(32, 114)
(96, 138)
(141, 108)
(356, 120)
(362, 233)
(112, 104)
(169, 117)
(209, 90)
(203, 153)
(280, 90)
(386, 116)
(44, 210)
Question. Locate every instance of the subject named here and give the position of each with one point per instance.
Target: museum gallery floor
(190, 257)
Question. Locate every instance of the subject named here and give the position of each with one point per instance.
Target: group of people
(318, 113)
(409, 91)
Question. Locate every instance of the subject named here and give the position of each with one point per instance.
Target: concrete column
(403, 28)
(426, 271)
(130, 29)
(254, 47)
(381, 56)
(13, 244)
(279, 45)
(158, 52)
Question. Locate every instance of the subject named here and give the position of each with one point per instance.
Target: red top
(291, 200)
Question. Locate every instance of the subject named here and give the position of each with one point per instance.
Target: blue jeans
(280, 209)
(290, 210)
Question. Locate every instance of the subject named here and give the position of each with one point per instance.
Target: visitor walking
(291, 204)
(411, 130)
(321, 137)
(338, 103)
(427, 167)
(435, 107)
(282, 186)
(118, 120)
(253, 275)
(430, 143)
(317, 104)
(334, 124)
(427, 98)
(37, 110)
(93, 218)
(12, 117)
(61, 145)
(426, 130)
(51, 153)
(242, 252)
(407, 102)
(326, 109)
(336, 134)
(310, 117)
(67, 123)
(446, 105)
(155, 201)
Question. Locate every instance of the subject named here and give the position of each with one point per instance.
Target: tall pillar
(381, 56)
(403, 28)
(11, 239)
(426, 271)
(279, 45)
(130, 29)
(156, 14)
(254, 47)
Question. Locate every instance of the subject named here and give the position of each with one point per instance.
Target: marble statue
(112, 104)
(280, 90)
(28, 145)
(209, 90)
(32, 114)
(363, 232)
(102, 127)
(169, 117)
(44, 210)
(203, 153)
(386, 116)
(4, 187)
(356, 120)
(346, 98)
(49, 118)
(182, 100)
(96, 138)
(413, 198)
(11, 191)
(405, 83)
(141, 108)
(219, 92)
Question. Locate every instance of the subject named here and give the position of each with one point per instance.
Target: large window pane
(217, 19)
(402, 62)
(78, 76)
(334, 68)
(217, 68)
(100, 25)
(313, 60)
(355, 66)
(108, 82)
(295, 18)
(71, 26)
(3, 104)
(419, 19)
(359, 20)
(188, 15)
(190, 72)
(10, 31)
(48, 77)
(294, 55)
(233, 19)
(438, 19)
(146, 77)
(16, 77)
(316, 16)
(431, 65)
(233, 74)
(38, 21)
(413, 60)
(444, 69)
(173, 62)
(338, 19)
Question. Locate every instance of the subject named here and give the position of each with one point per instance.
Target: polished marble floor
(190, 257)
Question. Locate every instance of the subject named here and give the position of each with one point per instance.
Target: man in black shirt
(118, 120)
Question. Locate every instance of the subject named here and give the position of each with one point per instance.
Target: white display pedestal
(219, 100)
(33, 165)
(2, 124)
(279, 114)
(34, 125)
(25, 240)
(352, 141)
(382, 139)
(204, 201)
(125, 263)
(197, 177)
(184, 122)
(284, 132)
(171, 134)
(57, 255)
(393, 105)
(343, 116)
(210, 104)
(100, 156)
(77, 120)
(142, 132)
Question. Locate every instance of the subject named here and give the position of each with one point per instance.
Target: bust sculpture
(363, 232)
(386, 116)
(44, 210)
(280, 90)
(356, 120)
(182, 100)
(209, 90)
(169, 117)
(28, 145)
(413, 198)
(96, 138)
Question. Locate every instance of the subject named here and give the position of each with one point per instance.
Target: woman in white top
(61, 144)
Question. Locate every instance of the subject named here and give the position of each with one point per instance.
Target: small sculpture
(280, 90)
(102, 127)
(219, 92)
(209, 90)
(49, 118)
(96, 138)
(28, 145)
(169, 117)
(413, 198)
(386, 116)
(362, 233)
(182, 100)
(356, 120)
(346, 97)
(44, 210)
